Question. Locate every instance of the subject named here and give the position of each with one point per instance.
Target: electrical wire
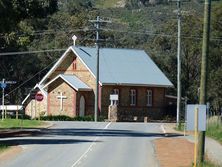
(31, 77)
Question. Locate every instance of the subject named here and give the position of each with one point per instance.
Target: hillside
(139, 24)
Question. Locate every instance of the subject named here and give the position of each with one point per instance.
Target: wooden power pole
(203, 80)
(97, 22)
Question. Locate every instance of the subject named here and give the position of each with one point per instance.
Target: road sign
(114, 97)
(39, 97)
(10, 82)
(3, 85)
(191, 117)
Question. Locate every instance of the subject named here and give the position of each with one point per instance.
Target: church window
(149, 98)
(132, 97)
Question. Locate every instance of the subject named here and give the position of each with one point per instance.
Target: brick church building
(70, 84)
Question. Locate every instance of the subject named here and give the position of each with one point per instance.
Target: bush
(214, 128)
(56, 118)
(20, 116)
(67, 118)
(85, 118)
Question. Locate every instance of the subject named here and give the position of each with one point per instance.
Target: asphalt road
(88, 144)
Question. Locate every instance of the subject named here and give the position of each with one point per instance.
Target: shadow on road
(18, 138)
(101, 133)
(23, 141)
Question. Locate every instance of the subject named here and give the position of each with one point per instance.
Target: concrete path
(214, 151)
(87, 144)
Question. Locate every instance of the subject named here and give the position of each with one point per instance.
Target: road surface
(88, 144)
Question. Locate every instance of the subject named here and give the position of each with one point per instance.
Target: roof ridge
(136, 49)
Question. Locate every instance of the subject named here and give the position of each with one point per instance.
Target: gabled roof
(40, 88)
(118, 66)
(71, 80)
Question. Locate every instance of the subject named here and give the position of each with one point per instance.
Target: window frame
(133, 95)
(149, 97)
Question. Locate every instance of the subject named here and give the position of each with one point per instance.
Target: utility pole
(97, 22)
(3, 97)
(178, 62)
(203, 80)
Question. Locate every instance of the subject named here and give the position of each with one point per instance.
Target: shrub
(56, 118)
(67, 118)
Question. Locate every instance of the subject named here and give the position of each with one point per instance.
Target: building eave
(137, 84)
(60, 76)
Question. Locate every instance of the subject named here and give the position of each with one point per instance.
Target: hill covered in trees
(150, 25)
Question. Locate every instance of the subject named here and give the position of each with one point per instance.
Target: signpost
(38, 97)
(3, 85)
(114, 98)
(196, 121)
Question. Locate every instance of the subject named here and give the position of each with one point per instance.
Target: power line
(30, 52)
(48, 32)
(120, 31)
(31, 77)
(160, 34)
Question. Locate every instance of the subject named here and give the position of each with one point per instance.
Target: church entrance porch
(68, 95)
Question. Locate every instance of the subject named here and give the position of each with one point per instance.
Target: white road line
(89, 149)
(162, 128)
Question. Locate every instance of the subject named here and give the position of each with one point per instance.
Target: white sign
(114, 97)
(191, 117)
(11, 107)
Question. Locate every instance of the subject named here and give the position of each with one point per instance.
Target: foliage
(207, 163)
(67, 118)
(149, 25)
(56, 118)
(214, 128)
(3, 147)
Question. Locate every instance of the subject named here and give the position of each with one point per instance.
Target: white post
(178, 63)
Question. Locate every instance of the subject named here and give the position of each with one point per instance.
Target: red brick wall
(69, 104)
(156, 111)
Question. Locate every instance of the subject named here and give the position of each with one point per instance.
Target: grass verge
(3, 147)
(18, 123)
(207, 163)
(214, 129)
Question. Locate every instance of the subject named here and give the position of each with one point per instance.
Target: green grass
(3, 147)
(214, 129)
(106, 3)
(207, 163)
(17, 123)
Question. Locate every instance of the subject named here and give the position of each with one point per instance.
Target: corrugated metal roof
(123, 66)
(75, 82)
(72, 80)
